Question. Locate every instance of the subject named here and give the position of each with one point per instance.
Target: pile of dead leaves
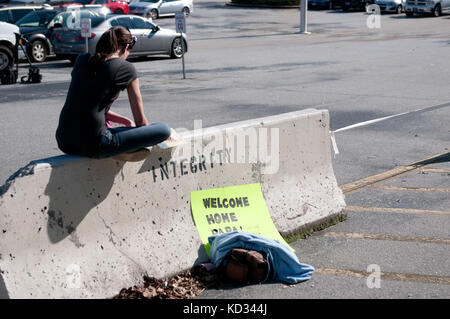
(186, 285)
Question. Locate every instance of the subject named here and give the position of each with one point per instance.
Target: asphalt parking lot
(246, 63)
(393, 245)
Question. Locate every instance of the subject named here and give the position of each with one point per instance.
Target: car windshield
(72, 19)
(83, 1)
(151, 1)
(101, 10)
(26, 2)
(36, 19)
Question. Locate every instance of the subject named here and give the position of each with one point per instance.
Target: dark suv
(34, 28)
(347, 5)
(13, 13)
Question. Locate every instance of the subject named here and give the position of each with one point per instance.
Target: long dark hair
(113, 39)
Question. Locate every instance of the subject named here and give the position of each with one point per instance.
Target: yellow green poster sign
(236, 208)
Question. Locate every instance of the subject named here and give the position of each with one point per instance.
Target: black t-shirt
(82, 121)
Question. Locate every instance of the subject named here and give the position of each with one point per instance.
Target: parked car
(159, 8)
(116, 6)
(151, 39)
(37, 27)
(319, 4)
(434, 7)
(8, 52)
(347, 5)
(14, 13)
(33, 2)
(28, 2)
(34, 28)
(7, 44)
(396, 6)
(92, 7)
(96, 8)
(336, 4)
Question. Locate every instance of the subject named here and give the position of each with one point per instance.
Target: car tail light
(79, 37)
(58, 36)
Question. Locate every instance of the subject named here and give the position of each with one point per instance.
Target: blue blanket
(286, 266)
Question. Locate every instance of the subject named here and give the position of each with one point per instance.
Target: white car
(435, 7)
(7, 44)
(397, 6)
(158, 8)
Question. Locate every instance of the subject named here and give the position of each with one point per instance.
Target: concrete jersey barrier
(73, 227)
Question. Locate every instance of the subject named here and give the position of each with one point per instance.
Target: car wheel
(437, 10)
(6, 58)
(118, 11)
(399, 10)
(154, 14)
(186, 11)
(38, 51)
(177, 50)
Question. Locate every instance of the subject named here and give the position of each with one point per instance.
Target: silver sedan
(151, 39)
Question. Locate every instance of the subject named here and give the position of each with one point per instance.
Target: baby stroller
(34, 75)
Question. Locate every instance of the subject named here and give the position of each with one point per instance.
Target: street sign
(86, 32)
(180, 23)
(85, 27)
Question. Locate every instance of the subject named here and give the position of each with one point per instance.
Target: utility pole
(303, 17)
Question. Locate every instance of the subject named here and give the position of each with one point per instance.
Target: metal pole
(87, 45)
(303, 17)
(182, 55)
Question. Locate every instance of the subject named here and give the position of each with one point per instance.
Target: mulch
(186, 285)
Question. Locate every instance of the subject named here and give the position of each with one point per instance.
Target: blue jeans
(130, 139)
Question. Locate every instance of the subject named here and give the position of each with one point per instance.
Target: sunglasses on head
(133, 40)
(132, 43)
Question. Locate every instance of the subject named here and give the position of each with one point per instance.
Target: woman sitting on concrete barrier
(96, 83)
